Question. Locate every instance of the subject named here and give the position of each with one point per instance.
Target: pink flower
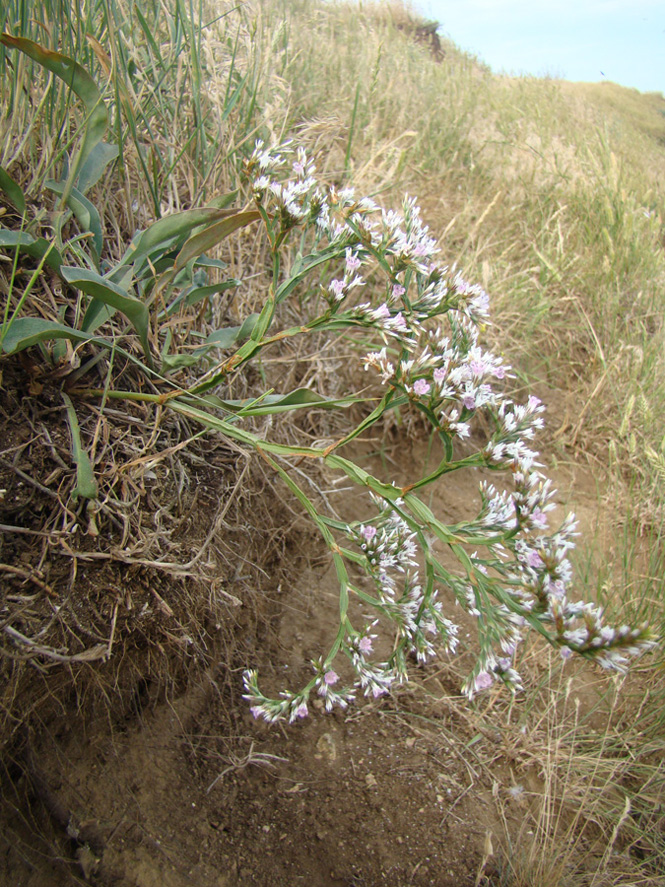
(469, 401)
(330, 677)
(534, 560)
(382, 311)
(368, 532)
(399, 323)
(256, 711)
(352, 261)
(365, 645)
(302, 711)
(439, 375)
(483, 681)
(421, 386)
(398, 290)
(539, 519)
(337, 288)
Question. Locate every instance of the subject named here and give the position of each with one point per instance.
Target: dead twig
(26, 574)
(259, 759)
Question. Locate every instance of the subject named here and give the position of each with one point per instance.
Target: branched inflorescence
(513, 571)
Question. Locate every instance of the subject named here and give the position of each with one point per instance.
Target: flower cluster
(391, 561)
(427, 321)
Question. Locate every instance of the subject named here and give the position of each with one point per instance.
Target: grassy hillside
(551, 195)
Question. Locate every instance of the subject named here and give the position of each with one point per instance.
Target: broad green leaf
(79, 81)
(205, 262)
(111, 294)
(92, 170)
(96, 314)
(86, 213)
(28, 331)
(228, 337)
(12, 190)
(36, 247)
(172, 362)
(86, 485)
(122, 276)
(202, 292)
(224, 200)
(212, 235)
(164, 232)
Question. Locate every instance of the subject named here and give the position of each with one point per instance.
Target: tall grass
(174, 134)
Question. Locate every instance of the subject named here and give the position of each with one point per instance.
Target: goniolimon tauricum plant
(355, 271)
(512, 570)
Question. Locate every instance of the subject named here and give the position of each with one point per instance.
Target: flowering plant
(512, 570)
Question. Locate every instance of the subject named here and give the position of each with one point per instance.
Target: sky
(585, 40)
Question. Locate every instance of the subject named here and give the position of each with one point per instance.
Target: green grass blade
(86, 485)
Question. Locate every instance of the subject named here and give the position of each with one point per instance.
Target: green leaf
(92, 170)
(164, 232)
(228, 337)
(111, 294)
(12, 190)
(86, 485)
(205, 262)
(280, 403)
(212, 235)
(172, 362)
(96, 314)
(147, 30)
(36, 247)
(224, 200)
(301, 268)
(223, 339)
(202, 292)
(85, 212)
(230, 104)
(28, 331)
(80, 82)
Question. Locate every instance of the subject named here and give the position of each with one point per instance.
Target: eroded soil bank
(182, 786)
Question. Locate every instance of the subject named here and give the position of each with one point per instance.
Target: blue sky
(588, 40)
